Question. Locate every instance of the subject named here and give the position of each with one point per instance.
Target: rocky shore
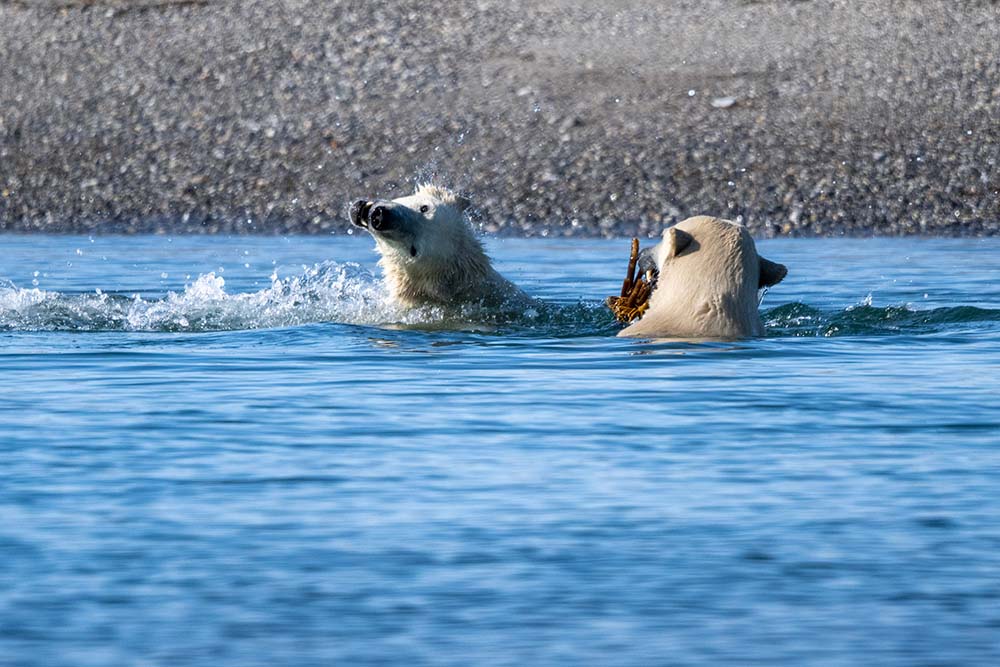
(560, 117)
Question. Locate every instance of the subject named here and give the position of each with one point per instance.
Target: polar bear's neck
(461, 274)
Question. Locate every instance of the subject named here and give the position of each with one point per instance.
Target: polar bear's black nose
(380, 218)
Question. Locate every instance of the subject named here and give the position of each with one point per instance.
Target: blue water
(233, 451)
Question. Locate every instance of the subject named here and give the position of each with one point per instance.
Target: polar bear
(707, 274)
(430, 254)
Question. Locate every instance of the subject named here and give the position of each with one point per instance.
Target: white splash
(328, 292)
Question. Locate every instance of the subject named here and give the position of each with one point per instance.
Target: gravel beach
(559, 117)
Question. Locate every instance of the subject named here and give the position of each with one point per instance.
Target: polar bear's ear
(771, 273)
(674, 242)
(462, 203)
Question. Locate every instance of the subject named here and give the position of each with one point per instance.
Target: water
(236, 453)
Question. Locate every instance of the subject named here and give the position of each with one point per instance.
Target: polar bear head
(707, 275)
(429, 251)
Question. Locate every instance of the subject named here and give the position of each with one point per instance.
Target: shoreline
(568, 119)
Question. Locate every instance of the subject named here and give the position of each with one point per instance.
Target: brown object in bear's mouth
(636, 290)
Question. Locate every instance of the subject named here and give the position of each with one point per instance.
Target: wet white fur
(450, 266)
(708, 288)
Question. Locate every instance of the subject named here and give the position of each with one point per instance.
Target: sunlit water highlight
(236, 451)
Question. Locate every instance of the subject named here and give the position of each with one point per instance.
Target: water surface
(233, 451)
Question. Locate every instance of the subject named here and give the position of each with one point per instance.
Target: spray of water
(346, 293)
(343, 293)
(327, 292)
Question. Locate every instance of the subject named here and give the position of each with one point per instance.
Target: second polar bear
(707, 274)
(430, 254)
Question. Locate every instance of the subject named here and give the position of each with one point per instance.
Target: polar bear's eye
(425, 208)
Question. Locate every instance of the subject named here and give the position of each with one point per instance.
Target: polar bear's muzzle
(377, 216)
(359, 213)
(647, 263)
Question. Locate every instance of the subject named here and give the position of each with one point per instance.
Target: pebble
(182, 116)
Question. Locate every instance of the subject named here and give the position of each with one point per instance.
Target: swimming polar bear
(707, 275)
(430, 254)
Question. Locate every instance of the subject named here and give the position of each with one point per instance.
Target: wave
(864, 319)
(328, 292)
(348, 294)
